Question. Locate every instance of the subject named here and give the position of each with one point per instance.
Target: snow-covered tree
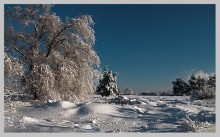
(180, 87)
(58, 58)
(107, 84)
(193, 83)
(201, 82)
(202, 88)
(211, 81)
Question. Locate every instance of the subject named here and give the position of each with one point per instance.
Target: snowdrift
(112, 114)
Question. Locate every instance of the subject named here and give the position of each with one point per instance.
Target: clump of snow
(62, 104)
(50, 101)
(125, 100)
(66, 104)
(161, 104)
(87, 127)
(152, 103)
(94, 121)
(28, 120)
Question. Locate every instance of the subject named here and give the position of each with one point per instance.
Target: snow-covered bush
(189, 124)
(205, 93)
(58, 57)
(128, 91)
(201, 88)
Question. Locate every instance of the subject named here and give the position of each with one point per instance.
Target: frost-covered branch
(58, 56)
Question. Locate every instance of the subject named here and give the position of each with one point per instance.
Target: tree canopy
(57, 57)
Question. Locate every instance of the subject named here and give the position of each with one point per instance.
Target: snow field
(112, 114)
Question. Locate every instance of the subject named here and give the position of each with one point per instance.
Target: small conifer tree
(108, 83)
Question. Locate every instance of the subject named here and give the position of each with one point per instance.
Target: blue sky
(151, 45)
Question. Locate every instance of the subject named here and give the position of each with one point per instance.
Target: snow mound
(62, 104)
(71, 109)
(95, 108)
(151, 103)
(153, 114)
(161, 104)
(137, 101)
(28, 120)
(125, 100)
(87, 127)
(103, 108)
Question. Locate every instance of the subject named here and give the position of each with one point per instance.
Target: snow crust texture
(112, 114)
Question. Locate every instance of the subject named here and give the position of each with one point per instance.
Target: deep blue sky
(151, 45)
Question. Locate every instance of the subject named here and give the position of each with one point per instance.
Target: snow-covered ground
(109, 114)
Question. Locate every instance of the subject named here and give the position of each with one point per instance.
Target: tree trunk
(34, 54)
(32, 89)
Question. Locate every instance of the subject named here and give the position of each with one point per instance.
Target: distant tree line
(198, 87)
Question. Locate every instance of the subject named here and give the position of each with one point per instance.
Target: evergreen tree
(108, 84)
(193, 83)
(201, 88)
(211, 81)
(200, 83)
(180, 87)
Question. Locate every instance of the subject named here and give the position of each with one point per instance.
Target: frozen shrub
(189, 124)
(201, 88)
(128, 91)
(205, 93)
